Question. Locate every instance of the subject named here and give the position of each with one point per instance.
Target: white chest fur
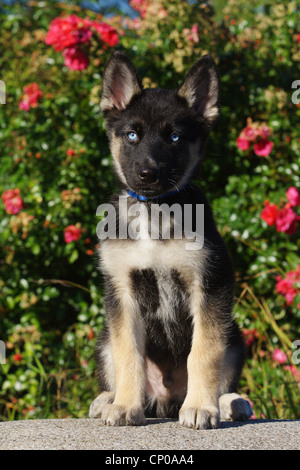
(124, 255)
(119, 257)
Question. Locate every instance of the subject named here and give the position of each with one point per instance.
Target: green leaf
(74, 256)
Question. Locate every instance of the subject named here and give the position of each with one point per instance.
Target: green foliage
(51, 304)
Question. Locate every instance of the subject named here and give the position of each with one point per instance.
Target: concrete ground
(157, 434)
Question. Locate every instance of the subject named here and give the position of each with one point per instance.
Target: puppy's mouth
(159, 188)
(148, 192)
(153, 193)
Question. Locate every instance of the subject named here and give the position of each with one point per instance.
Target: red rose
(17, 357)
(68, 31)
(107, 33)
(269, 214)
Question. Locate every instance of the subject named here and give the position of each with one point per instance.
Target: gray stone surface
(155, 435)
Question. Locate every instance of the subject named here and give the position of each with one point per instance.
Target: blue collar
(139, 197)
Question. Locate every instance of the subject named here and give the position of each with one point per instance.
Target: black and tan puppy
(170, 344)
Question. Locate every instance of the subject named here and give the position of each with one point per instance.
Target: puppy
(170, 346)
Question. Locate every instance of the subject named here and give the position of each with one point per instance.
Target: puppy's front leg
(200, 409)
(127, 345)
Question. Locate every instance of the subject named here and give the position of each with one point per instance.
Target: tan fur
(98, 405)
(127, 347)
(204, 363)
(106, 356)
(115, 147)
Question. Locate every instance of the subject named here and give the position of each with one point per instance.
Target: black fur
(153, 165)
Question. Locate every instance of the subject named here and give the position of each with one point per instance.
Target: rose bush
(69, 33)
(56, 170)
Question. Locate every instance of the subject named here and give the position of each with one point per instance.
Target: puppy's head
(157, 136)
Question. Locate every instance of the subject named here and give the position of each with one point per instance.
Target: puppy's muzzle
(149, 175)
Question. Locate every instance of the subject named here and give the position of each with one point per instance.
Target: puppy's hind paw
(233, 407)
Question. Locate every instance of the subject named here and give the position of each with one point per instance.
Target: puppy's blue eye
(132, 136)
(175, 137)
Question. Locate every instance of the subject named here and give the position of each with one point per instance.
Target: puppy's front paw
(117, 415)
(200, 418)
(99, 403)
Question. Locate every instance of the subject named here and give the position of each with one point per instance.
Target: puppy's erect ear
(201, 90)
(120, 83)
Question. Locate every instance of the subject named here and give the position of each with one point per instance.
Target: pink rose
(75, 59)
(293, 196)
(24, 105)
(265, 131)
(31, 96)
(279, 356)
(293, 369)
(13, 202)
(192, 34)
(14, 205)
(263, 148)
(289, 285)
(250, 336)
(286, 221)
(286, 287)
(72, 233)
(243, 144)
(249, 133)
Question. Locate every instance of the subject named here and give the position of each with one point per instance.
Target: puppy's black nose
(149, 175)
